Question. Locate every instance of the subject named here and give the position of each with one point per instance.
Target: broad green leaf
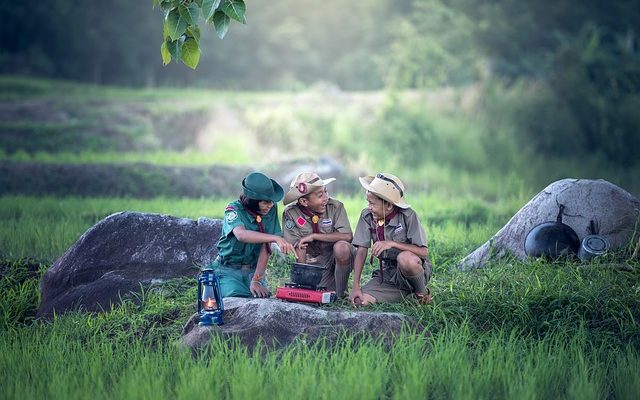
(189, 13)
(165, 31)
(176, 24)
(198, 2)
(164, 51)
(208, 7)
(190, 53)
(194, 32)
(221, 22)
(174, 48)
(234, 9)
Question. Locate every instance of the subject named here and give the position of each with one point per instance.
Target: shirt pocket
(325, 225)
(400, 234)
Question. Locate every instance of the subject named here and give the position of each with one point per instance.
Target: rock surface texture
(615, 211)
(123, 253)
(278, 324)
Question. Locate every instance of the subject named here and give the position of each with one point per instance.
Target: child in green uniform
(399, 242)
(250, 225)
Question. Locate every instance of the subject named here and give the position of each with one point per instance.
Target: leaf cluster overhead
(181, 29)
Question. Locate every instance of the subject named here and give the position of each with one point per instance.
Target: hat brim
(294, 194)
(278, 193)
(365, 181)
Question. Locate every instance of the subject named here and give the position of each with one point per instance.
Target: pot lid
(595, 244)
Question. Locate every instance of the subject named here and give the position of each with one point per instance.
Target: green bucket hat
(258, 186)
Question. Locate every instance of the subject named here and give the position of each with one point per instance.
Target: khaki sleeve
(415, 231)
(362, 235)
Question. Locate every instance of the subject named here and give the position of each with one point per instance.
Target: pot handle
(559, 217)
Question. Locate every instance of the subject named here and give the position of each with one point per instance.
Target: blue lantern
(210, 306)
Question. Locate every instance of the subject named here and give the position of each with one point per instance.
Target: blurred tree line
(558, 80)
(286, 44)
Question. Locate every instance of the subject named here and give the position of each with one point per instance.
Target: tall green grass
(42, 362)
(514, 330)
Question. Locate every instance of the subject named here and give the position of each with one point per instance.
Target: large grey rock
(278, 323)
(616, 212)
(121, 254)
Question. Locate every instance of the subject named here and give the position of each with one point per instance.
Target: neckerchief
(314, 218)
(260, 226)
(379, 229)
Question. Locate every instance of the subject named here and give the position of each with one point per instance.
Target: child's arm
(256, 287)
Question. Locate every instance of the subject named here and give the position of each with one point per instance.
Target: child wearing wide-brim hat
(318, 227)
(249, 226)
(399, 242)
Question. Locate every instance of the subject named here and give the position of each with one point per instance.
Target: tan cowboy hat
(303, 184)
(386, 186)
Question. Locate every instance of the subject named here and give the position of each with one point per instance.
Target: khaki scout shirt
(297, 225)
(404, 227)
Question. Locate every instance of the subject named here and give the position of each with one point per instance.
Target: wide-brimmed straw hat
(386, 186)
(258, 186)
(303, 184)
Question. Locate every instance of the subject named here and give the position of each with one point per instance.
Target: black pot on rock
(552, 239)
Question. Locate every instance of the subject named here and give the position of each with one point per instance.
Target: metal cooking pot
(307, 275)
(552, 239)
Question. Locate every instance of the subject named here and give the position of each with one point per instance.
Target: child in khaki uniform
(319, 229)
(399, 242)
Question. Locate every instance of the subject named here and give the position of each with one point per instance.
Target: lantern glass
(208, 299)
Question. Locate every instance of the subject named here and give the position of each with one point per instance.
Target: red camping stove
(305, 294)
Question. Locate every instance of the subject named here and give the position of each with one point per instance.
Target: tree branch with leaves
(181, 29)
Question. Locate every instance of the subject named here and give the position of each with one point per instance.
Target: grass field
(515, 330)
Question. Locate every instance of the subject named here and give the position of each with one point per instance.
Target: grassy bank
(514, 330)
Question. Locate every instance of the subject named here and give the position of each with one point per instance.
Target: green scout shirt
(404, 227)
(297, 225)
(234, 251)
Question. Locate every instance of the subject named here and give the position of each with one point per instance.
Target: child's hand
(285, 247)
(380, 246)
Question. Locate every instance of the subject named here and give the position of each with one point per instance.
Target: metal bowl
(593, 246)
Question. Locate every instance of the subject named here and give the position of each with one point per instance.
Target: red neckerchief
(379, 229)
(258, 218)
(314, 218)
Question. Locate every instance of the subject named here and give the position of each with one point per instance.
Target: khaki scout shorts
(329, 262)
(395, 286)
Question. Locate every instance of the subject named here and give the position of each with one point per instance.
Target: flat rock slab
(279, 323)
(122, 254)
(613, 209)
